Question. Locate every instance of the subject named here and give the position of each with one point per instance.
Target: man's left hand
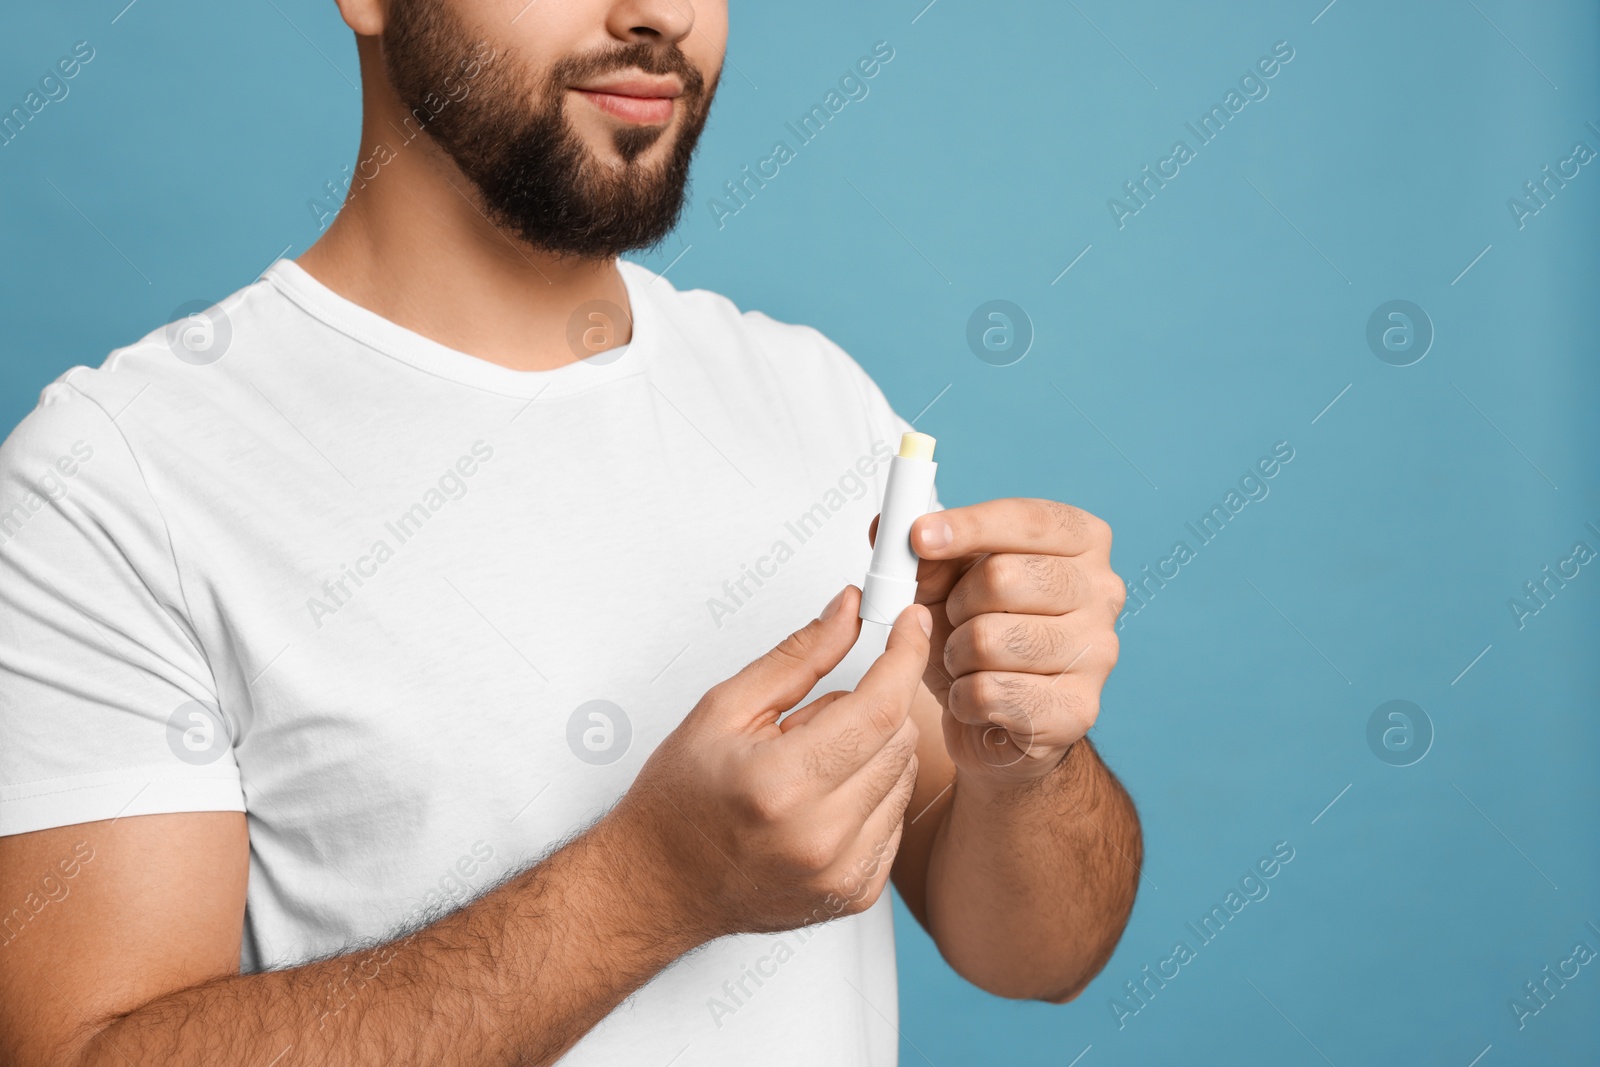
(1024, 605)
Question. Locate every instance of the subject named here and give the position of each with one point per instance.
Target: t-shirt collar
(429, 356)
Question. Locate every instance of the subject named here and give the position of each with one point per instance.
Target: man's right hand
(738, 822)
(761, 824)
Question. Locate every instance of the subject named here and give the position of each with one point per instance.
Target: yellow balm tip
(915, 445)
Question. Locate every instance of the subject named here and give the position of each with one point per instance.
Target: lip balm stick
(891, 583)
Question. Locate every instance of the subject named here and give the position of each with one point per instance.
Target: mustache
(650, 58)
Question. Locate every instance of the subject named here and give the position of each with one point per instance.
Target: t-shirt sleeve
(107, 705)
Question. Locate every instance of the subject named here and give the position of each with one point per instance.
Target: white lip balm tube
(891, 583)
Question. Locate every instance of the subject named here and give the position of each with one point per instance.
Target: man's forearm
(1029, 887)
(516, 977)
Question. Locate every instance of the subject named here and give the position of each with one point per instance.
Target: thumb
(774, 683)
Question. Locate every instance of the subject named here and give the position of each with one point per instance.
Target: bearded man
(399, 663)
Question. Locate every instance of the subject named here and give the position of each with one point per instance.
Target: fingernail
(937, 535)
(925, 620)
(833, 605)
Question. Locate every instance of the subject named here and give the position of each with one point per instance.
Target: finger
(773, 683)
(1010, 525)
(1039, 644)
(1033, 709)
(998, 749)
(857, 797)
(935, 577)
(801, 716)
(851, 729)
(880, 835)
(1026, 583)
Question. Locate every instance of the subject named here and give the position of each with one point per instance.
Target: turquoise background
(1222, 318)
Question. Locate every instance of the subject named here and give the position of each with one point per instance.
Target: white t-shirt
(422, 617)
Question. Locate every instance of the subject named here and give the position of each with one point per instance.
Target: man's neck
(411, 244)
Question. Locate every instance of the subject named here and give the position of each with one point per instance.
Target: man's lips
(647, 101)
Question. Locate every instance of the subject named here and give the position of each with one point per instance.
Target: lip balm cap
(915, 445)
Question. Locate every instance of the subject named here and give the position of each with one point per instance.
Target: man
(381, 682)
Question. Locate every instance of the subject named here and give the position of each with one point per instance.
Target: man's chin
(646, 148)
(618, 145)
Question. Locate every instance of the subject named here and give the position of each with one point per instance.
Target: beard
(533, 172)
